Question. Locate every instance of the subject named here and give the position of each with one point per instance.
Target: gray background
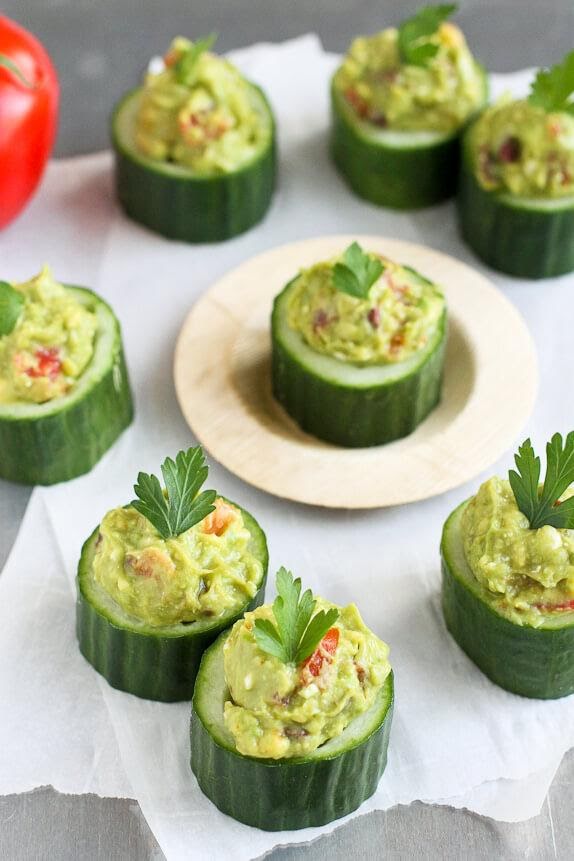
(100, 48)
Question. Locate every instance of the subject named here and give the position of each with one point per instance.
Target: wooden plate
(222, 379)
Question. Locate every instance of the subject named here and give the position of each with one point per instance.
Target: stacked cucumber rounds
(262, 748)
(358, 349)
(516, 196)
(159, 581)
(399, 103)
(195, 148)
(64, 390)
(506, 555)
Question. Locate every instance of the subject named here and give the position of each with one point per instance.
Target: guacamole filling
(520, 148)
(439, 96)
(396, 320)
(202, 573)
(278, 710)
(199, 112)
(527, 573)
(50, 346)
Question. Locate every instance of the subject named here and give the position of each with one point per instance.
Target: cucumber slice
(524, 237)
(156, 663)
(399, 169)
(65, 437)
(179, 204)
(533, 662)
(285, 794)
(346, 404)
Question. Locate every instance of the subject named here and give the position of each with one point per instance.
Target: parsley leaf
(543, 508)
(185, 65)
(357, 274)
(181, 506)
(552, 89)
(11, 304)
(296, 632)
(414, 47)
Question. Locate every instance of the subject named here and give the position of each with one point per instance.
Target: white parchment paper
(456, 738)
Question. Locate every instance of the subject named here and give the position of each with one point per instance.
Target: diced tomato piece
(374, 317)
(549, 608)
(324, 652)
(48, 364)
(510, 150)
(217, 522)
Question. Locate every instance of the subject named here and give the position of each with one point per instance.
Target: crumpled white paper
(456, 738)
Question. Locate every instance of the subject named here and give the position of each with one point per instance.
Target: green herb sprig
(186, 64)
(296, 633)
(11, 305)
(542, 507)
(357, 274)
(553, 89)
(414, 46)
(181, 506)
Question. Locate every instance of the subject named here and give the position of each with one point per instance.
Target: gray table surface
(100, 48)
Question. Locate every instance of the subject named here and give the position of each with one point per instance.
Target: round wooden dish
(222, 379)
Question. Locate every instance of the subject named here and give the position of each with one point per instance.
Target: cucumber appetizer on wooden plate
(358, 364)
(508, 574)
(358, 347)
(400, 100)
(195, 147)
(160, 578)
(516, 196)
(292, 712)
(64, 390)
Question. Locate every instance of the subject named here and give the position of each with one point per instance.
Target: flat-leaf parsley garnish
(11, 304)
(357, 273)
(414, 46)
(296, 632)
(186, 64)
(181, 506)
(553, 89)
(543, 507)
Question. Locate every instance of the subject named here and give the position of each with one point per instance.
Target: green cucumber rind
(409, 177)
(155, 665)
(532, 662)
(192, 208)
(288, 794)
(350, 416)
(68, 439)
(514, 236)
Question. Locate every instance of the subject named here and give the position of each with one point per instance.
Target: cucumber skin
(193, 209)
(282, 795)
(144, 664)
(349, 417)
(68, 443)
(531, 662)
(517, 241)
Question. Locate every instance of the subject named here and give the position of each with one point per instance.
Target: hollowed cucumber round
(533, 662)
(153, 662)
(66, 436)
(176, 202)
(285, 794)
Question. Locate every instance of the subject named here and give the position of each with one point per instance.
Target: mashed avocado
(281, 710)
(202, 573)
(202, 115)
(397, 319)
(50, 346)
(438, 96)
(521, 148)
(526, 572)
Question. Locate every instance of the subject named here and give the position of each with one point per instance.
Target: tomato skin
(28, 117)
(324, 651)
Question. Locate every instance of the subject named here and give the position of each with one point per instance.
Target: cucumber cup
(288, 794)
(292, 712)
(195, 148)
(531, 661)
(62, 438)
(345, 402)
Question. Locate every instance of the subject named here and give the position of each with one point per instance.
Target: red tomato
(324, 651)
(28, 116)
